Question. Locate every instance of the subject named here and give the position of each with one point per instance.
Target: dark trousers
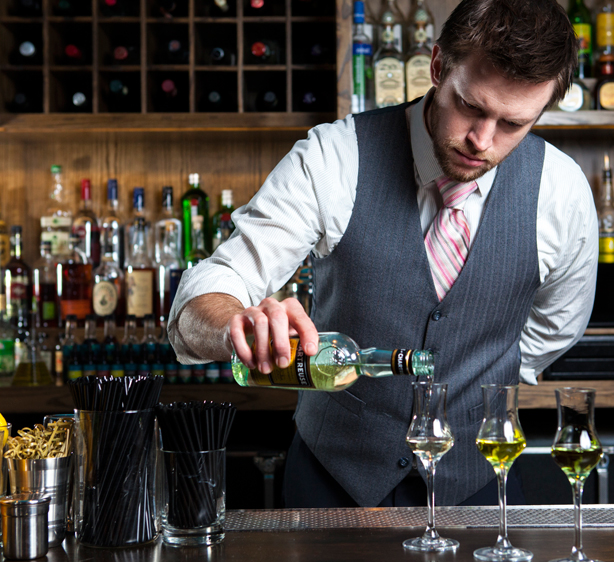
(308, 484)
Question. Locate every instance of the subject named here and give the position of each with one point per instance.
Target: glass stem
(430, 532)
(576, 551)
(502, 540)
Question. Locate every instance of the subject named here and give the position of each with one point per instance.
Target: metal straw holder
(24, 526)
(48, 478)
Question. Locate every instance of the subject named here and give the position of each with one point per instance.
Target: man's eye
(513, 124)
(469, 106)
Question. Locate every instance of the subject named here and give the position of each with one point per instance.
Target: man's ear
(436, 65)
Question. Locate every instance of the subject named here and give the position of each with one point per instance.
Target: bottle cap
(359, 11)
(55, 169)
(138, 198)
(91, 317)
(86, 189)
(112, 189)
(217, 53)
(72, 51)
(16, 229)
(194, 179)
(46, 244)
(120, 53)
(259, 49)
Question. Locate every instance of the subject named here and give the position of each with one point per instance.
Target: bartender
(441, 224)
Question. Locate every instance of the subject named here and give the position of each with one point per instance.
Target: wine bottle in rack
(25, 101)
(124, 53)
(268, 100)
(221, 56)
(218, 100)
(216, 9)
(174, 51)
(119, 8)
(258, 8)
(170, 97)
(27, 8)
(26, 52)
(78, 101)
(309, 100)
(71, 8)
(121, 98)
(165, 8)
(75, 53)
(265, 51)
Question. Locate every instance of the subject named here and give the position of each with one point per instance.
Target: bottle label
(400, 363)
(7, 356)
(21, 352)
(5, 249)
(79, 307)
(605, 29)
(606, 95)
(139, 292)
(389, 82)
(365, 49)
(298, 373)
(573, 100)
(606, 248)
(59, 363)
(418, 73)
(104, 298)
(583, 33)
(58, 239)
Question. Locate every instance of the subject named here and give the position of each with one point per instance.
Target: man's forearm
(202, 325)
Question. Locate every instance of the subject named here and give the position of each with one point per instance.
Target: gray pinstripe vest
(376, 287)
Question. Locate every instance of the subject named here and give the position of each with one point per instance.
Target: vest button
(436, 315)
(403, 462)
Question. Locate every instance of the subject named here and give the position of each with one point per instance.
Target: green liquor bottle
(580, 17)
(195, 203)
(336, 366)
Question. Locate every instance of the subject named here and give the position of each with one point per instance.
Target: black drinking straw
(117, 505)
(192, 427)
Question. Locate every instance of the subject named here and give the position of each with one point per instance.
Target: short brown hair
(526, 40)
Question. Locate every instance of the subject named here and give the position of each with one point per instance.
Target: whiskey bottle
(17, 279)
(74, 281)
(195, 203)
(85, 225)
(45, 288)
(111, 226)
(57, 219)
(604, 89)
(389, 66)
(418, 64)
(108, 290)
(604, 31)
(336, 366)
(362, 55)
(140, 275)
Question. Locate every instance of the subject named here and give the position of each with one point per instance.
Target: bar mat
(465, 517)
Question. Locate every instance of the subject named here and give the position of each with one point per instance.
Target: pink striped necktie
(447, 240)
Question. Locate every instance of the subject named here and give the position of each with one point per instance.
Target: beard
(444, 148)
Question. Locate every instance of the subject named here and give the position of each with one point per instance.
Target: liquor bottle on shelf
(57, 219)
(267, 100)
(27, 52)
(90, 348)
(119, 8)
(170, 269)
(27, 8)
(17, 279)
(125, 53)
(140, 275)
(7, 347)
(71, 8)
(265, 51)
(221, 56)
(389, 67)
(111, 227)
(138, 211)
(336, 366)
(21, 326)
(46, 353)
(317, 53)
(604, 36)
(390, 13)
(74, 281)
(218, 101)
(604, 88)
(31, 370)
(577, 98)
(362, 57)
(197, 251)
(221, 222)
(120, 98)
(85, 225)
(167, 216)
(5, 245)
(166, 356)
(130, 347)
(418, 64)
(149, 343)
(195, 203)
(580, 17)
(45, 288)
(108, 290)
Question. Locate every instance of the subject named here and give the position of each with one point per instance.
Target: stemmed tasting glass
(577, 450)
(430, 437)
(500, 439)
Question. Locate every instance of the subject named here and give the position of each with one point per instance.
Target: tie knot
(455, 194)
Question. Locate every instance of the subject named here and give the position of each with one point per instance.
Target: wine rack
(160, 56)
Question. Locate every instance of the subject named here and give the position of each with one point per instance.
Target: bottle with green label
(7, 346)
(336, 366)
(362, 59)
(580, 17)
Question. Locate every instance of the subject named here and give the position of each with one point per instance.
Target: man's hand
(276, 321)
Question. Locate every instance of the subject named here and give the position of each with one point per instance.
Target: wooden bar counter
(361, 535)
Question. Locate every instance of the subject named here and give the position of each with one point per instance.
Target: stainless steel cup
(47, 477)
(24, 526)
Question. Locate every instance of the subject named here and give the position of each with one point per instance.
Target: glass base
(193, 539)
(570, 559)
(494, 554)
(425, 544)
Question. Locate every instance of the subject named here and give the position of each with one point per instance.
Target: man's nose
(482, 134)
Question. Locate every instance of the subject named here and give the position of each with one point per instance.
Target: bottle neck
(198, 240)
(90, 329)
(606, 188)
(113, 205)
(58, 188)
(130, 330)
(378, 362)
(109, 328)
(17, 246)
(139, 246)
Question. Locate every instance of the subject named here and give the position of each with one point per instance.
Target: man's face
(477, 117)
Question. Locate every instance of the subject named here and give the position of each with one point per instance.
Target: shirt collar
(426, 164)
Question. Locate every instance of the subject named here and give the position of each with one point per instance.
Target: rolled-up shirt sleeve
(568, 247)
(304, 205)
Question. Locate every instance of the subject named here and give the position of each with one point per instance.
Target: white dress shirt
(305, 206)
